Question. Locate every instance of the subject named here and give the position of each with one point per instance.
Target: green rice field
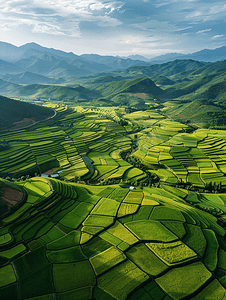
(138, 210)
(72, 242)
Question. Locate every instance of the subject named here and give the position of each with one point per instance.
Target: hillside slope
(138, 85)
(16, 111)
(30, 78)
(203, 112)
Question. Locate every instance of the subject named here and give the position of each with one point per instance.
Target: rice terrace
(113, 183)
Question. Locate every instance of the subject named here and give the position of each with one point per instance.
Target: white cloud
(157, 26)
(217, 36)
(59, 17)
(203, 31)
(182, 29)
(110, 6)
(216, 9)
(116, 25)
(48, 28)
(104, 21)
(194, 15)
(206, 11)
(161, 3)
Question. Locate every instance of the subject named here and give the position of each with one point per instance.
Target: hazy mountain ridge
(51, 62)
(205, 55)
(49, 74)
(177, 78)
(30, 78)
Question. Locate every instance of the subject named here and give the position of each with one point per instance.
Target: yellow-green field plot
(111, 242)
(197, 158)
(61, 145)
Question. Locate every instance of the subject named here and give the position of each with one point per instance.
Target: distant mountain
(166, 58)
(7, 87)
(6, 67)
(137, 57)
(16, 111)
(48, 65)
(9, 52)
(107, 78)
(34, 58)
(30, 78)
(88, 66)
(166, 69)
(59, 54)
(209, 55)
(113, 62)
(206, 55)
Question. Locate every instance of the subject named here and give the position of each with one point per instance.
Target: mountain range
(175, 79)
(32, 72)
(44, 61)
(205, 55)
(50, 62)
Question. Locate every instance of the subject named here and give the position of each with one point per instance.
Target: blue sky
(144, 27)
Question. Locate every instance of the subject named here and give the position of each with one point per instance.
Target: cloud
(205, 11)
(48, 29)
(217, 36)
(59, 17)
(203, 31)
(157, 26)
(110, 6)
(216, 9)
(161, 3)
(116, 25)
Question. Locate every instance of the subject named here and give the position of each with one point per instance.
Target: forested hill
(13, 111)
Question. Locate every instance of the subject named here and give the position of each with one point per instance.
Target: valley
(112, 182)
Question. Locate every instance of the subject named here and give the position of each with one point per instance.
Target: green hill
(166, 69)
(203, 112)
(107, 78)
(217, 91)
(211, 68)
(162, 80)
(208, 86)
(16, 111)
(53, 92)
(138, 85)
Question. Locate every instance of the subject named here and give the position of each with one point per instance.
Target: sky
(144, 27)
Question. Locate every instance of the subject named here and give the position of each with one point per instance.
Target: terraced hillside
(82, 242)
(157, 234)
(196, 159)
(73, 144)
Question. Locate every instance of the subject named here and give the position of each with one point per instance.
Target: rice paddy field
(77, 143)
(84, 237)
(197, 158)
(71, 241)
